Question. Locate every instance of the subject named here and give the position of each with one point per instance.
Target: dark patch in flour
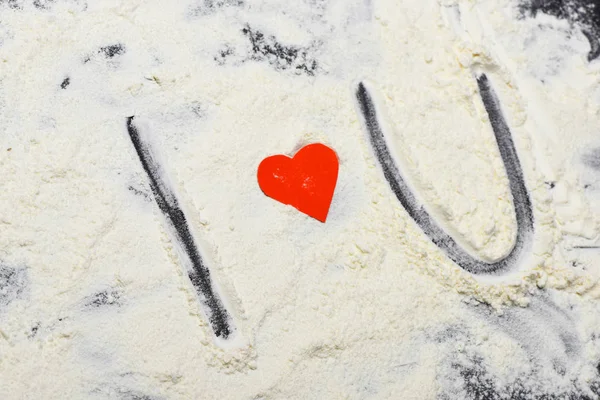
(43, 4)
(595, 388)
(478, 383)
(34, 330)
(223, 54)
(552, 348)
(280, 57)
(166, 200)
(132, 395)
(545, 331)
(66, 82)
(584, 13)
(14, 4)
(139, 192)
(109, 53)
(112, 50)
(103, 298)
(122, 393)
(39, 4)
(592, 159)
(207, 7)
(466, 375)
(12, 283)
(450, 333)
(199, 110)
(508, 153)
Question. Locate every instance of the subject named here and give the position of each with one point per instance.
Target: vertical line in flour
(417, 211)
(199, 273)
(506, 146)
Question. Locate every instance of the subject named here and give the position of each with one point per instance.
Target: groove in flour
(198, 272)
(508, 153)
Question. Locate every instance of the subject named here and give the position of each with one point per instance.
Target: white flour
(93, 301)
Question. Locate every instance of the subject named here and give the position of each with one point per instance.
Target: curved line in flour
(508, 153)
(198, 272)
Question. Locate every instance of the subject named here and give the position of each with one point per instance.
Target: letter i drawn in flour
(197, 270)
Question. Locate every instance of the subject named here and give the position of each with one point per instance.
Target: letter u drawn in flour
(508, 153)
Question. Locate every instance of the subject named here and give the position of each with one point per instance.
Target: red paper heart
(306, 181)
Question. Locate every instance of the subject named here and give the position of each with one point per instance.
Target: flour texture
(95, 302)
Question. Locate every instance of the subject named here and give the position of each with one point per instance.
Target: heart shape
(305, 181)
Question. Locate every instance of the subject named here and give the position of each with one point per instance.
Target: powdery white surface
(93, 301)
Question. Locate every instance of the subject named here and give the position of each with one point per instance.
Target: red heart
(306, 181)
